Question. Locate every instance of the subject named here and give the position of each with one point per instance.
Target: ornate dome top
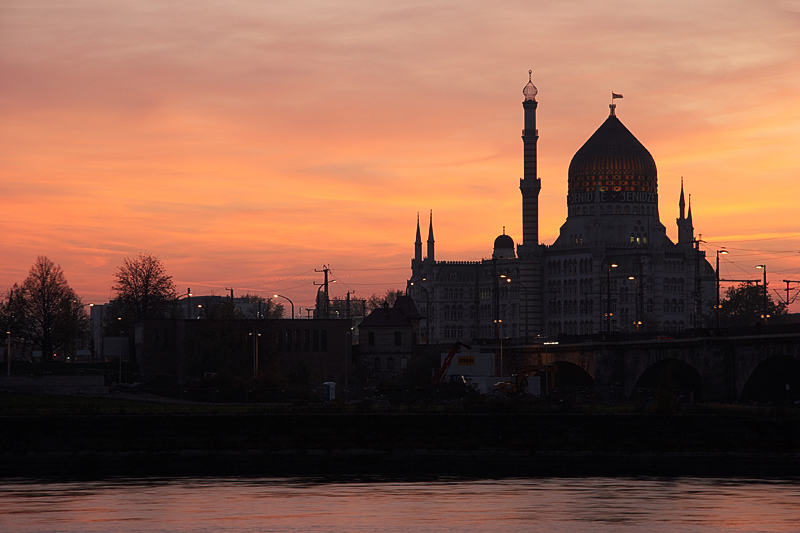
(613, 160)
(530, 91)
(503, 242)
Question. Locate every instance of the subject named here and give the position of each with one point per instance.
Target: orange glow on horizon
(247, 145)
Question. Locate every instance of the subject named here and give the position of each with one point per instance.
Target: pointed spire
(418, 243)
(430, 238)
(689, 215)
(682, 202)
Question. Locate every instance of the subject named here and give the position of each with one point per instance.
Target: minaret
(685, 227)
(530, 184)
(430, 239)
(529, 252)
(418, 244)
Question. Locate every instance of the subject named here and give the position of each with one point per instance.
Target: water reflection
(551, 505)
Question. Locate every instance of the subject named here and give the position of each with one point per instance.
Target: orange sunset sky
(247, 143)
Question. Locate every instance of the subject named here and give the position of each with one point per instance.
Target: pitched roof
(401, 315)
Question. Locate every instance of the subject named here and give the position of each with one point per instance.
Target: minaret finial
(530, 91)
(504, 230)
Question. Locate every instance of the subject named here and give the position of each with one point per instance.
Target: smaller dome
(503, 242)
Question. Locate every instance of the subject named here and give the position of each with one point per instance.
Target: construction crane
(437, 379)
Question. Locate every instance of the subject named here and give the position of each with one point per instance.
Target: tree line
(44, 312)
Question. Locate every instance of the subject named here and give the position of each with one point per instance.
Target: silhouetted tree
(340, 307)
(269, 307)
(12, 313)
(375, 301)
(143, 289)
(743, 306)
(45, 310)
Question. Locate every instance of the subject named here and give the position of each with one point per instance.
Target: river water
(552, 505)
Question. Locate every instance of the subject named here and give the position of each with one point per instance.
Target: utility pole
(496, 302)
(255, 335)
(792, 299)
(698, 289)
(326, 302)
(723, 252)
(764, 316)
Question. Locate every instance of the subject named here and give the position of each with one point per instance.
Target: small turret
(685, 227)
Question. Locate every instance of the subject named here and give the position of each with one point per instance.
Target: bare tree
(375, 301)
(52, 314)
(143, 288)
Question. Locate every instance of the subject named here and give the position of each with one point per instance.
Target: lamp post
(719, 252)
(78, 340)
(765, 316)
(636, 321)
(287, 299)
(525, 289)
(8, 353)
(255, 334)
(427, 309)
(608, 299)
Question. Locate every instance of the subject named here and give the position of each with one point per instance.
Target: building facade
(612, 267)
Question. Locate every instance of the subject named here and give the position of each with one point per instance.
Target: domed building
(612, 267)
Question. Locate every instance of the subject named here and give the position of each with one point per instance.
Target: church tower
(529, 252)
(685, 226)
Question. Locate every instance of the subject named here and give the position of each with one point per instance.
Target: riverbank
(188, 440)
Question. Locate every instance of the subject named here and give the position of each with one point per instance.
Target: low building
(182, 349)
(387, 337)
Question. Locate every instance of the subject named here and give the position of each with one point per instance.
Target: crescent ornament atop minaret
(530, 91)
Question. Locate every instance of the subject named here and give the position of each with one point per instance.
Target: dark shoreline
(398, 445)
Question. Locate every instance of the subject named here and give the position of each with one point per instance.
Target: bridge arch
(668, 376)
(775, 380)
(572, 375)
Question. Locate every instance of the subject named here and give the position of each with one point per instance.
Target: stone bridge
(747, 369)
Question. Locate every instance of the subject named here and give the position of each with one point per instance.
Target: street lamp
(427, 309)
(636, 321)
(608, 299)
(719, 252)
(8, 353)
(287, 299)
(765, 316)
(525, 289)
(255, 334)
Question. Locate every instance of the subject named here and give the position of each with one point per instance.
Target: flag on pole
(615, 95)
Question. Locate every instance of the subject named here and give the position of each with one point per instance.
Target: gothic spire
(430, 238)
(418, 243)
